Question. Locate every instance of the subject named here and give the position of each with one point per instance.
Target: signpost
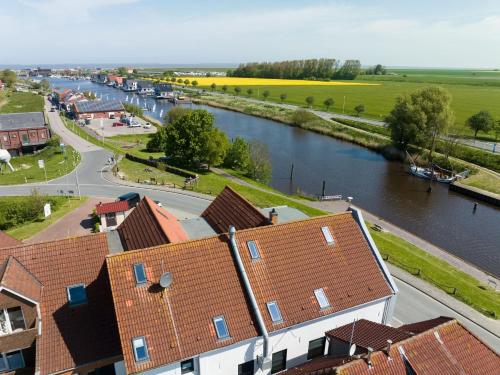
(41, 165)
(46, 210)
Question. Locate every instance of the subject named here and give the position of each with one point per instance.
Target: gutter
(248, 288)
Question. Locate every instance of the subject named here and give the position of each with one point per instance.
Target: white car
(134, 124)
(147, 125)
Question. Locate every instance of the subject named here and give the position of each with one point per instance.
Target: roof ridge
(229, 188)
(53, 241)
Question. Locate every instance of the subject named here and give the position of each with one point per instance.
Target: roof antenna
(352, 347)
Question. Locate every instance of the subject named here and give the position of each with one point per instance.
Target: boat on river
(435, 173)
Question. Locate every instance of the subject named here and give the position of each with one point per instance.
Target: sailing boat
(435, 172)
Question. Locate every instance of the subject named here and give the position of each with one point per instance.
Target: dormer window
(328, 236)
(77, 294)
(253, 249)
(11, 320)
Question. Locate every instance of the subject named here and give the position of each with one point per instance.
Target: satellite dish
(166, 280)
(352, 350)
(5, 158)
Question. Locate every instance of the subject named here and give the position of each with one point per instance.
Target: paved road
(412, 305)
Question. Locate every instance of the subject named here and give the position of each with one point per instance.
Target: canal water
(381, 187)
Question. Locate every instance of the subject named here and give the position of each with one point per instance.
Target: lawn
(437, 272)
(57, 164)
(134, 144)
(21, 102)
(485, 181)
(60, 206)
(142, 173)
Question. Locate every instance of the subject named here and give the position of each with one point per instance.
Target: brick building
(98, 109)
(23, 132)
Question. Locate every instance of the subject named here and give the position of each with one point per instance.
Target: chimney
(273, 216)
(389, 345)
(369, 357)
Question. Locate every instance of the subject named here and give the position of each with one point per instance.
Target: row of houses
(237, 290)
(141, 87)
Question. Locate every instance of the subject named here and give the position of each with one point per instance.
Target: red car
(118, 124)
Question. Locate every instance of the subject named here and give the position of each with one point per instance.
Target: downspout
(248, 288)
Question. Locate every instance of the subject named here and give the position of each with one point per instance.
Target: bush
(301, 117)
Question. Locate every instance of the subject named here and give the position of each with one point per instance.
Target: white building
(111, 214)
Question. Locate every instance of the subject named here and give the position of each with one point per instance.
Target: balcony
(17, 340)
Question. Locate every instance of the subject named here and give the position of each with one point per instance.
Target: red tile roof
(7, 240)
(296, 260)
(149, 225)
(177, 323)
(106, 208)
(71, 336)
(367, 334)
(230, 208)
(15, 277)
(425, 325)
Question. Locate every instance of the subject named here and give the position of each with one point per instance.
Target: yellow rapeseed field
(235, 81)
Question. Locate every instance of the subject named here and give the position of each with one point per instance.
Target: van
(132, 199)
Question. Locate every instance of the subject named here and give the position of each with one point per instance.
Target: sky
(424, 33)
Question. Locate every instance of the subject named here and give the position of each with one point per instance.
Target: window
(279, 362)
(111, 219)
(140, 273)
(328, 235)
(246, 368)
(187, 366)
(316, 348)
(221, 327)
(77, 294)
(140, 349)
(11, 361)
(25, 139)
(321, 298)
(274, 311)
(254, 250)
(11, 320)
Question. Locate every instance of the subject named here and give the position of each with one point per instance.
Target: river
(381, 187)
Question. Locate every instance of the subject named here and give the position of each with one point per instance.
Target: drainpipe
(248, 288)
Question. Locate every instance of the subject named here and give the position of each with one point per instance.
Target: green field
(26, 167)
(470, 93)
(13, 102)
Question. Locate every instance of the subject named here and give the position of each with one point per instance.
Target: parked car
(53, 109)
(134, 124)
(118, 123)
(147, 125)
(87, 121)
(132, 198)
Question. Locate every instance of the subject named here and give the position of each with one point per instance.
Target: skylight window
(328, 236)
(221, 327)
(321, 297)
(77, 294)
(140, 273)
(274, 311)
(254, 250)
(140, 349)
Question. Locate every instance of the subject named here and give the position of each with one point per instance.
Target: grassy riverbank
(437, 272)
(12, 102)
(22, 220)
(57, 164)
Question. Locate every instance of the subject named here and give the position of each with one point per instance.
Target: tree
(237, 90)
(328, 103)
(359, 109)
(187, 138)
(283, 97)
(213, 86)
(481, 121)
(349, 70)
(215, 148)
(173, 80)
(180, 80)
(133, 109)
(8, 77)
(301, 117)
(194, 83)
(420, 117)
(157, 141)
(186, 82)
(122, 71)
(259, 167)
(310, 101)
(224, 88)
(44, 85)
(174, 114)
(238, 155)
(249, 92)
(266, 94)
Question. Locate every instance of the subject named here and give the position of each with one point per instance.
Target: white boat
(435, 172)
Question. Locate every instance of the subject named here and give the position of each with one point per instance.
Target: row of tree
(322, 69)
(8, 77)
(190, 138)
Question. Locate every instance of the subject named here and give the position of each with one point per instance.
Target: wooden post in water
(323, 190)
(291, 173)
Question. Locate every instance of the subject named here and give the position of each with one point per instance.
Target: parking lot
(110, 130)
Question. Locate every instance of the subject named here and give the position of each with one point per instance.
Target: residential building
(115, 81)
(150, 225)
(98, 109)
(145, 87)
(437, 346)
(40, 72)
(251, 301)
(111, 214)
(163, 91)
(130, 85)
(23, 132)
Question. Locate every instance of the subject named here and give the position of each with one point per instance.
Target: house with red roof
(111, 214)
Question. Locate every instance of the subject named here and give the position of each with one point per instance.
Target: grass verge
(60, 206)
(437, 272)
(57, 164)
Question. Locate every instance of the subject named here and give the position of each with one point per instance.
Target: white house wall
(295, 340)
